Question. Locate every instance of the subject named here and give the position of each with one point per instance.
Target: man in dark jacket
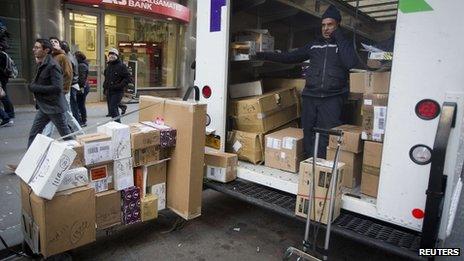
(331, 56)
(83, 68)
(117, 77)
(4, 78)
(47, 88)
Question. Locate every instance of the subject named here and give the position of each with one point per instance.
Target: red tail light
(427, 109)
(206, 91)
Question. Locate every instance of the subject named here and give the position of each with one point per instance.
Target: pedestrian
(117, 77)
(6, 121)
(4, 74)
(75, 81)
(331, 57)
(47, 87)
(83, 69)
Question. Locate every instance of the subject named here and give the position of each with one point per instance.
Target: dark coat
(83, 69)
(330, 61)
(117, 77)
(47, 87)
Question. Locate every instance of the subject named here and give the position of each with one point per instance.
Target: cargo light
(206, 91)
(418, 213)
(427, 109)
(421, 154)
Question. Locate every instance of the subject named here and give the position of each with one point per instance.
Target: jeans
(7, 105)
(4, 116)
(41, 120)
(81, 96)
(114, 99)
(73, 104)
(71, 121)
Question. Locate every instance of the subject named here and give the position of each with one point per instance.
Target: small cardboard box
(351, 138)
(353, 166)
(74, 178)
(374, 116)
(263, 40)
(168, 135)
(33, 157)
(155, 174)
(220, 166)
(322, 184)
(149, 207)
(120, 139)
(372, 160)
(284, 149)
(101, 176)
(64, 223)
(143, 136)
(246, 89)
(97, 148)
(145, 156)
(370, 82)
(108, 209)
(79, 160)
(123, 173)
(247, 145)
(159, 190)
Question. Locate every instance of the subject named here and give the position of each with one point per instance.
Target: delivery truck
(421, 157)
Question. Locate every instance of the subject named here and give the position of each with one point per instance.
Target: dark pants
(81, 96)
(73, 104)
(114, 99)
(322, 113)
(4, 116)
(41, 120)
(7, 105)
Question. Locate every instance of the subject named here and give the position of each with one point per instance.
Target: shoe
(123, 110)
(107, 115)
(8, 123)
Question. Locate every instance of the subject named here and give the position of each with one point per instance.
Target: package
(322, 184)
(185, 168)
(130, 206)
(139, 180)
(149, 207)
(123, 173)
(154, 174)
(370, 82)
(143, 136)
(44, 164)
(159, 190)
(241, 51)
(79, 160)
(374, 116)
(97, 148)
(63, 223)
(168, 135)
(120, 139)
(263, 40)
(108, 209)
(145, 156)
(372, 160)
(353, 166)
(264, 113)
(101, 176)
(351, 138)
(284, 149)
(74, 178)
(221, 166)
(246, 89)
(248, 146)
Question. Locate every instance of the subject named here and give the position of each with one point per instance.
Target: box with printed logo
(97, 148)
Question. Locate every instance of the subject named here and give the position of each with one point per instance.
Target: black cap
(333, 13)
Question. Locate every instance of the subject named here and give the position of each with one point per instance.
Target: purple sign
(215, 16)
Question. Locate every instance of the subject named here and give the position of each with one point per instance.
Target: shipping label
(216, 173)
(380, 116)
(288, 143)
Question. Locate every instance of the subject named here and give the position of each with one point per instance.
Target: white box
(123, 174)
(120, 139)
(97, 151)
(160, 191)
(33, 157)
(49, 174)
(246, 89)
(74, 178)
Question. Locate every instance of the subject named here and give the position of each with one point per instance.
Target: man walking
(74, 83)
(47, 87)
(4, 75)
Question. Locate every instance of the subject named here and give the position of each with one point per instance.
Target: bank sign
(158, 7)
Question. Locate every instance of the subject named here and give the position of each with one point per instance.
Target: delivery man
(331, 57)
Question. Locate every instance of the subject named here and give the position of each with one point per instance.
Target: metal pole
(310, 195)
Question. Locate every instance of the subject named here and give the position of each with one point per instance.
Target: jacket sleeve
(66, 66)
(299, 55)
(125, 79)
(56, 78)
(345, 50)
(83, 72)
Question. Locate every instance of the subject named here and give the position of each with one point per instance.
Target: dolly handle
(328, 132)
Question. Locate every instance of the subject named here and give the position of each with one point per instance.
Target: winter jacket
(330, 61)
(83, 69)
(66, 67)
(47, 87)
(117, 77)
(74, 64)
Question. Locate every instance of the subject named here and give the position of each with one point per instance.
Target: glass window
(10, 15)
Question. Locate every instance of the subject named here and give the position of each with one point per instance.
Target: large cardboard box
(79, 160)
(284, 149)
(372, 160)
(246, 89)
(220, 166)
(149, 207)
(351, 138)
(108, 209)
(374, 116)
(322, 183)
(353, 166)
(74, 178)
(101, 176)
(247, 145)
(264, 113)
(120, 139)
(185, 169)
(97, 148)
(143, 136)
(370, 82)
(123, 174)
(63, 223)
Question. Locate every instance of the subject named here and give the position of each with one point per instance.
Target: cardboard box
(120, 139)
(101, 176)
(145, 156)
(220, 166)
(374, 116)
(123, 173)
(108, 209)
(74, 178)
(155, 174)
(139, 180)
(79, 160)
(372, 160)
(159, 190)
(370, 82)
(168, 135)
(97, 148)
(264, 113)
(130, 205)
(149, 207)
(322, 184)
(248, 146)
(264, 42)
(351, 138)
(185, 169)
(353, 166)
(246, 89)
(64, 223)
(143, 136)
(284, 149)
(44, 164)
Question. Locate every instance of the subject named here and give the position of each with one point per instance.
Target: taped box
(353, 166)
(374, 117)
(220, 166)
(247, 145)
(143, 136)
(370, 82)
(79, 160)
(168, 135)
(351, 140)
(246, 89)
(97, 148)
(108, 209)
(120, 139)
(372, 161)
(74, 178)
(284, 149)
